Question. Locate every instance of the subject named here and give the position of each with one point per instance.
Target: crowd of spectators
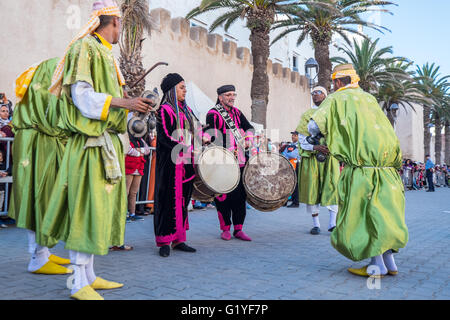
(5, 168)
(424, 176)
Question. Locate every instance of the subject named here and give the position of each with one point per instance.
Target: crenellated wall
(209, 61)
(35, 30)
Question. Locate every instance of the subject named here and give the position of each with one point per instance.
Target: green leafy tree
(322, 23)
(260, 17)
(136, 22)
(432, 85)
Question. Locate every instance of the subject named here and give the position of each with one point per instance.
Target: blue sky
(420, 31)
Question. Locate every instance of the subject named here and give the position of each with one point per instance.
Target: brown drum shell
(285, 174)
(202, 193)
(266, 207)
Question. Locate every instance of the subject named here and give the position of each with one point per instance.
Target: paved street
(283, 262)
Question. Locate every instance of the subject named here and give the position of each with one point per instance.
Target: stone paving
(282, 262)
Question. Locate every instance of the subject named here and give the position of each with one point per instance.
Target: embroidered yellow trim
(105, 110)
(104, 41)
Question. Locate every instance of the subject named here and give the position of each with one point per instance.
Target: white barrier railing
(8, 180)
(149, 177)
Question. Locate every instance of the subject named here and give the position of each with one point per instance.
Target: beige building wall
(409, 129)
(35, 30)
(38, 30)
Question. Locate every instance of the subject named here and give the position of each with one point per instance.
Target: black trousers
(232, 208)
(295, 195)
(430, 180)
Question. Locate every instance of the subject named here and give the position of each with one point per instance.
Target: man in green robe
(88, 204)
(37, 152)
(317, 181)
(371, 219)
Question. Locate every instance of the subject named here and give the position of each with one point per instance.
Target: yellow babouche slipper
(392, 273)
(87, 293)
(52, 268)
(58, 260)
(363, 272)
(102, 284)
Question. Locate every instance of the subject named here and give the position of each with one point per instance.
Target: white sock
(39, 254)
(79, 261)
(90, 270)
(38, 259)
(80, 279)
(377, 266)
(316, 221)
(388, 258)
(333, 210)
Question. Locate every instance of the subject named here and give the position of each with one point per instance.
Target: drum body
(269, 180)
(217, 172)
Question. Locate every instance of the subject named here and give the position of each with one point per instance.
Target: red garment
(134, 163)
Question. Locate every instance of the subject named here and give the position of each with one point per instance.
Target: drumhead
(269, 178)
(219, 169)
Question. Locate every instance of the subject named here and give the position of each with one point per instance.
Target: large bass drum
(269, 180)
(217, 172)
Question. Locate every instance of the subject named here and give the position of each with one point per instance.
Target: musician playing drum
(231, 207)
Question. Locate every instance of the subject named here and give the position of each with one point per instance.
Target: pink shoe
(226, 235)
(241, 235)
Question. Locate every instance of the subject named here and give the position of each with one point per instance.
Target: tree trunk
(132, 69)
(426, 131)
(391, 116)
(260, 43)
(322, 55)
(447, 142)
(438, 140)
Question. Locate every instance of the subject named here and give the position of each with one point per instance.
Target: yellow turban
(346, 70)
(100, 8)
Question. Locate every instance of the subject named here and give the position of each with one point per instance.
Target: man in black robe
(231, 207)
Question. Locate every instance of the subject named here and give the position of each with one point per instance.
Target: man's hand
(206, 141)
(322, 149)
(136, 104)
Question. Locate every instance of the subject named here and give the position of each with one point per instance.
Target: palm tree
(402, 93)
(439, 116)
(447, 130)
(372, 64)
(431, 85)
(386, 77)
(260, 15)
(321, 23)
(136, 21)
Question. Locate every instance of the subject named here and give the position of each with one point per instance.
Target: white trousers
(314, 209)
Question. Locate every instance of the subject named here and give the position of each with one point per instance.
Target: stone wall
(34, 31)
(203, 58)
(409, 129)
(209, 61)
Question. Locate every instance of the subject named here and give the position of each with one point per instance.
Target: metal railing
(6, 180)
(150, 156)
